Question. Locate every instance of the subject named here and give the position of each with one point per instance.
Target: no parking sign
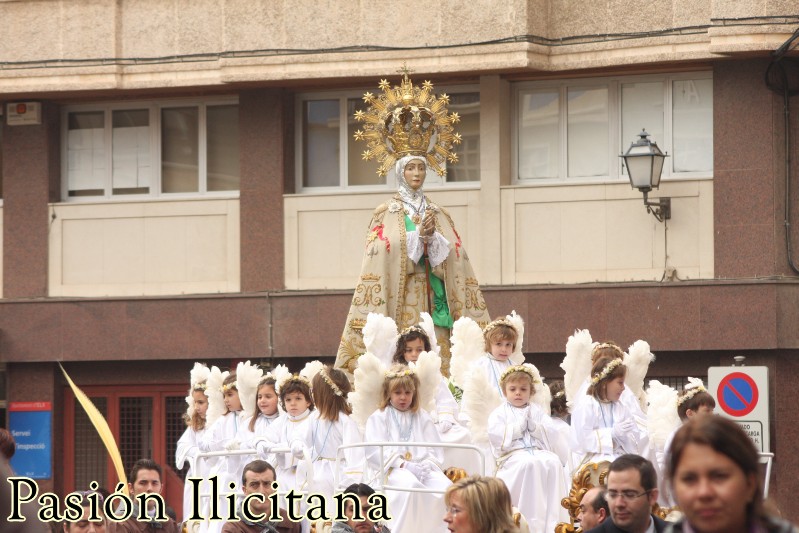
(741, 393)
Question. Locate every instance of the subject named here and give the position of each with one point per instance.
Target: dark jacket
(609, 527)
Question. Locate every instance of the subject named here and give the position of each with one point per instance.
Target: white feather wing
(368, 387)
(517, 357)
(637, 360)
(661, 416)
(542, 397)
(380, 337)
(479, 399)
(216, 405)
(247, 378)
(577, 363)
(428, 369)
(311, 369)
(429, 328)
(468, 345)
(198, 374)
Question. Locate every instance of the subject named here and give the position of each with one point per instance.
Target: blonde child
(266, 413)
(603, 428)
(529, 450)
(188, 444)
(329, 427)
(412, 342)
(400, 419)
(500, 337)
(223, 435)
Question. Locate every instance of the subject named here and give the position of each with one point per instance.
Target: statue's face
(414, 173)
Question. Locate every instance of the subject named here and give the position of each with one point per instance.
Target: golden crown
(408, 120)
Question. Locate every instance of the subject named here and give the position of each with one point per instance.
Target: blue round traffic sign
(737, 394)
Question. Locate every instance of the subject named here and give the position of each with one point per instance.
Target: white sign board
(741, 393)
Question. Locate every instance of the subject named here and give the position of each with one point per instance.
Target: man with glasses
(631, 493)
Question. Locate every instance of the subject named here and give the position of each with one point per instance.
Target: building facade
(180, 182)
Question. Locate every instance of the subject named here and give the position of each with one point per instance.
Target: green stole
(440, 314)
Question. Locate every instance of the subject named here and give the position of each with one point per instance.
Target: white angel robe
(410, 511)
(493, 369)
(447, 410)
(281, 433)
(249, 439)
(227, 469)
(530, 463)
(592, 427)
(322, 440)
(187, 449)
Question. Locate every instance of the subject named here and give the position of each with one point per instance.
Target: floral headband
(559, 394)
(496, 323)
(295, 377)
(400, 374)
(229, 386)
(416, 327)
(336, 390)
(200, 386)
(606, 371)
(519, 368)
(614, 347)
(690, 393)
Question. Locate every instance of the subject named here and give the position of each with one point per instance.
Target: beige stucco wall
(144, 248)
(106, 44)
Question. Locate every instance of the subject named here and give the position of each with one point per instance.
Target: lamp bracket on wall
(661, 209)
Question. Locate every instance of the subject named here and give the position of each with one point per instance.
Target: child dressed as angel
(399, 418)
(529, 451)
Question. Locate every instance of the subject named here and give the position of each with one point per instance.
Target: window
(151, 149)
(575, 129)
(328, 156)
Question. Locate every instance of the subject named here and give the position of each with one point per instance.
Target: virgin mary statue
(414, 260)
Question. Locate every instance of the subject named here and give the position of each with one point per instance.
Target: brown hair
(231, 378)
(328, 402)
(294, 384)
(693, 403)
(487, 503)
(599, 390)
(406, 380)
(267, 381)
(517, 375)
(501, 332)
(606, 349)
(7, 444)
(558, 404)
(402, 343)
(727, 438)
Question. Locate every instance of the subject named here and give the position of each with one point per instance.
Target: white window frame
(154, 107)
(616, 144)
(433, 181)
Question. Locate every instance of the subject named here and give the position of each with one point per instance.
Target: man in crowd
(593, 508)
(358, 526)
(257, 478)
(631, 493)
(145, 478)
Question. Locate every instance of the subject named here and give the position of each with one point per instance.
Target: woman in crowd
(479, 504)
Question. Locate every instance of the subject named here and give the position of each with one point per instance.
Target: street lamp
(644, 162)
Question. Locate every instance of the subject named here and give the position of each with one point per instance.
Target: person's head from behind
(606, 349)
(479, 504)
(631, 492)
(83, 524)
(258, 478)
(295, 395)
(412, 342)
(558, 405)
(145, 478)
(500, 339)
(362, 492)
(330, 388)
(230, 394)
(7, 444)
(695, 400)
(518, 384)
(607, 379)
(714, 472)
(593, 508)
(399, 389)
